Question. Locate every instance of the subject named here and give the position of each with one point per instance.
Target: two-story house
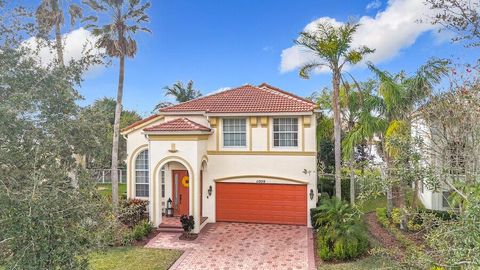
(243, 155)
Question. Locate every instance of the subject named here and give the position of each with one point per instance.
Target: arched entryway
(173, 178)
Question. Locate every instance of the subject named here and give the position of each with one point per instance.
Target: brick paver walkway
(243, 246)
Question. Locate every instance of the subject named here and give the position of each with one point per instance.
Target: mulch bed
(378, 232)
(147, 239)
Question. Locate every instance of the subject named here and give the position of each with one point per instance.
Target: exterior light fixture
(311, 194)
(210, 189)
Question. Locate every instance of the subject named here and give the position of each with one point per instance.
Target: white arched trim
(160, 164)
(131, 168)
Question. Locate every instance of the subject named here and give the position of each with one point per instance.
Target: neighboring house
(243, 155)
(449, 156)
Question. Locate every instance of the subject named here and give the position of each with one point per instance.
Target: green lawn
(134, 258)
(373, 204)
(106, 189)
(381, 201)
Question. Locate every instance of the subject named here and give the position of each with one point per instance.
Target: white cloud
(375, 4)
(75, 44)
(388, 32)
(219, 90)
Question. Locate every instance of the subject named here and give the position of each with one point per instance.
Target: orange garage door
(262, 203)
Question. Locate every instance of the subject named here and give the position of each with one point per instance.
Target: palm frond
(308, 68)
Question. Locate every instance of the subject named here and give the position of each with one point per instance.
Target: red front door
(180, 186)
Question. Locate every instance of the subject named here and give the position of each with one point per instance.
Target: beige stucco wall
(136, 142)
(250, 168)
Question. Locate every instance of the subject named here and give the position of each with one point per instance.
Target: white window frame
(234, 132)
(294, 132)
(145, 169)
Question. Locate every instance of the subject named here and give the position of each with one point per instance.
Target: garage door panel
(261, 203)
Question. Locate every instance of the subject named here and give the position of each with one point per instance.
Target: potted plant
(187, 224)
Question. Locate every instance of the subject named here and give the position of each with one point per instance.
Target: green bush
(326, 185)
(142, 230)
(133, 211)
(341, 234)
(396, 216)
(382, 216)
(114, 233)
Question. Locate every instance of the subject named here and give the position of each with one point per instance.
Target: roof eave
(179, 132)
(140, 125)
(182, 112)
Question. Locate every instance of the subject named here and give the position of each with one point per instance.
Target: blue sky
(229, 43)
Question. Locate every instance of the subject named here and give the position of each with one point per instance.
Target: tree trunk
(116, 134)
(402, 204)
(352, 180)
(58, 37)
(337, 133)
(388, 176)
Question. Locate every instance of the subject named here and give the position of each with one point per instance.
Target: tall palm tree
(116, 37)
(182, 92)
(401, 95)
(49, 15)
(332, 47)
(360, 109)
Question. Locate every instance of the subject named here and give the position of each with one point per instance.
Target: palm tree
(182, 92)
(401, 95)
(116, 37)
(332, 47)
(360, 109)
(49, 15)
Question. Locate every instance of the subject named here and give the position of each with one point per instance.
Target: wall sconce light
(311, 194)
(210, 189)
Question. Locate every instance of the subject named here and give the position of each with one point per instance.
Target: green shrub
(326, 185)
(396, 216)
(133, 211)
(413, 226)
(382, 216)
(114, 233)
(142, 230)
(341, 234)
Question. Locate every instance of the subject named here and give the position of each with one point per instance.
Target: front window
(141, 174)
(285, 132)
(234, 132)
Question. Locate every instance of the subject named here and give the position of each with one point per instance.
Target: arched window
(141, 174)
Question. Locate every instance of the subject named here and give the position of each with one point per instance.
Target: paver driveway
(243, 246)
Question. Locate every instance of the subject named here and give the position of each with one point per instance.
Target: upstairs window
(456, 156)
(285, 132)
(234, 132)
(141, 174)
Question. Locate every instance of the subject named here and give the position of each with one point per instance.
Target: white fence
(105, 175)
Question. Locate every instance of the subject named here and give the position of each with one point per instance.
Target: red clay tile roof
(139, 122)
(179, 124)
(246, 99)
